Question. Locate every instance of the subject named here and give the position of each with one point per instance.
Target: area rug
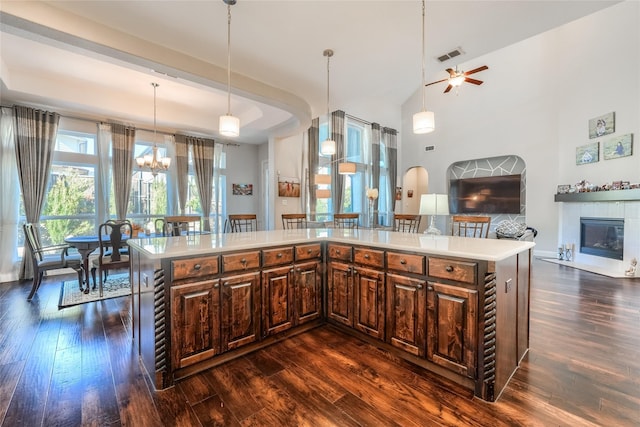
(116, 285)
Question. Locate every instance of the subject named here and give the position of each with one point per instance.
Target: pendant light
(229, 125)
(154, 163)
(424, 121)
(328, 146)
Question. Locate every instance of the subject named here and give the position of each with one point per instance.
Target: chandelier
(152, 161)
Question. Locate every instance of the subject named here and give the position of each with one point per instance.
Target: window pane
(54, 231)
(71, 191)
(148, 195)
(75, 143)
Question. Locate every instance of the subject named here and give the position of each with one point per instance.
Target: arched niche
(414, 183)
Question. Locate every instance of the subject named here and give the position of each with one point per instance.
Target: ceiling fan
(456, 78)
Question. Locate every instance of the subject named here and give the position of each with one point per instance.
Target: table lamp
(434, 204)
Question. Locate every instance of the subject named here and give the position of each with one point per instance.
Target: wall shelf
(600, 196)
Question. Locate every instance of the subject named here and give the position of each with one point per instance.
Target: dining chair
(52, 257)
(470, 226)
(346, 220)
(406, 223)
(243, 222)
(295, 220)
(179, 224)
(111, 242)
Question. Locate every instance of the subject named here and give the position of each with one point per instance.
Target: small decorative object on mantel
(631, 272)
(563, 189)
(602, 125)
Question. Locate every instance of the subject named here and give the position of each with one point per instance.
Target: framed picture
(409, 194)
(589, 153)
(619, 146)
(242, 189)
(603, 125)
(288, 187)
(398, 193)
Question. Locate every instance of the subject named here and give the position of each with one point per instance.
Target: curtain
(390, 137)
(35, 133)
(375, 165)
(219, 160)
(203, 150)
(10, 196)
(104, 177)
(337, 134)
(171, 175)
(182, 169)
(313, 136)
(122, 162)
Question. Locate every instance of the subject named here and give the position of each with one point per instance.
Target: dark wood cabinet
(308, 291)
(452, 336)
(240, 310)
(277, 300)
(406, 313)
(340, 292)
(369, 301)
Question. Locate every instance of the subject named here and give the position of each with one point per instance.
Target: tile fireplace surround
(569, 233)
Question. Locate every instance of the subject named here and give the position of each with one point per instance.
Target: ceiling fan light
(456, 81)
(328, 147)
(229, 125)
(424, 122)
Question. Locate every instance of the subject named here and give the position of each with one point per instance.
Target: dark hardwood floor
(78, 366)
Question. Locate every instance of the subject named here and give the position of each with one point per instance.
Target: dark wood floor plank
(64, 400)
(213, 412)
(9, 376)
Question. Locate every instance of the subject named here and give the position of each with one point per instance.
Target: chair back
(346, 220)
(406, 223)
(32, 238)
(112, 237)
(296, 220)
(243, 222)
(160, 227)
(176, 225)
(470, 226)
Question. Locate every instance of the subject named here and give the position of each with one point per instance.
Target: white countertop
(464, 247)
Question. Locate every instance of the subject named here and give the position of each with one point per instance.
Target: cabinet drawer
(369, 257)
(342, 252)
(308, 251)
(460, 271)
(278, 256)
(194, 267)
(406, 262)
(241, 261)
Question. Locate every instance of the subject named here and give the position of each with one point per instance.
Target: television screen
(485, 195)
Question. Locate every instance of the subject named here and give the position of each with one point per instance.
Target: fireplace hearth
(602, 237)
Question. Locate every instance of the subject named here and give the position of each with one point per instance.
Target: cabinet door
(340, 293)
(240, 310)
(406, 315)
(308, 284)
(195, 322)
(369, 300)
(451, 326)
(277, 300)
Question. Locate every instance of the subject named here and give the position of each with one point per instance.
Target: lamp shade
(322, 179)
(229, 125)
(323, 194)
(434, 204)
(424, 122)
(346, 168)
(328, 147)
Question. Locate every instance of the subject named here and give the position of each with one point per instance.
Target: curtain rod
(357, 118)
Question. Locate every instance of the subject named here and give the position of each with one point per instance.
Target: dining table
(85, 245)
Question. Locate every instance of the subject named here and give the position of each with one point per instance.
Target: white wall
(536, 102)
(289, 163)
(243, 167)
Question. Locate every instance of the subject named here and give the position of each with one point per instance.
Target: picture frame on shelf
(563, 189)
(602, 125)
(589, 153)
(619, 146)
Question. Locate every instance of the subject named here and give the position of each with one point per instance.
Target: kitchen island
(456, 306)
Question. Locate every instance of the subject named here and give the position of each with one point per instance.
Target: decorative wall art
(409, 194)
(589, 153)
(288, 187)
(619, 146)
(398, 193)
(603, 125)
(242, 189)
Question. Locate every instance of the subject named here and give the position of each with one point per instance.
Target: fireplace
(602, 237)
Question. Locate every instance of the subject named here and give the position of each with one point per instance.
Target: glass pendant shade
(423, 122)
(229, 125)
(328, 147)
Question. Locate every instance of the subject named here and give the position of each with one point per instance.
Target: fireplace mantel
(600, 196)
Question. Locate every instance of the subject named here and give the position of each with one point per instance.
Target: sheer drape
(314, 160)
(35, 133)
(182, 170)
(103, 172)
(390, 138)
(203, 150)
(375, 165)
(10, 196)
(123, 142)
(218, 159)
(337, 134)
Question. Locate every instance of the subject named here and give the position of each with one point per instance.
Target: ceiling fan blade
(475, 70)
(448, 89)
(439, 81)
(451, 72)
(473, 81)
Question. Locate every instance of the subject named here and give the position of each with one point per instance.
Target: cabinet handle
(366, 256)
(243, 261)
(309, 251)
(216, 286)
(279, 255)
(430, 288)
(197, 267)
(418, 286)
(338, 251)
(403, 261)
(449, 268)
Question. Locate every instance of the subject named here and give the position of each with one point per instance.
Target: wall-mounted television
(485, 195)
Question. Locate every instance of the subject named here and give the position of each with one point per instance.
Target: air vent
(429, 148)
(456, 52)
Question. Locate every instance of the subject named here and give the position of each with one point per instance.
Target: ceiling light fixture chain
(328, 146)
(423, 121)
(154, 163)
(229, 125)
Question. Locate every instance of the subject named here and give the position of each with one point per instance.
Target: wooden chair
(181, 224)
(470, 226)
(243, 222)
(406, 223)
(45, 258)
(297, 220)
(111, 241)
(346, 220)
